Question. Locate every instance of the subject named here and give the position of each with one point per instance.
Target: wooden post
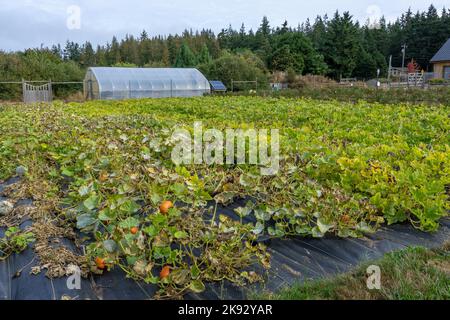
(50, 91)
(390, 66)
(23, 90)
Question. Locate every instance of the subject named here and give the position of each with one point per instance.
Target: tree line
(336, 46)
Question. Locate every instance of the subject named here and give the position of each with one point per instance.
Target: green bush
(438, 81)
(37, 65)
(238, 67)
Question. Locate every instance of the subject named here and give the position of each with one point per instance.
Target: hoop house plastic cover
(128, 83)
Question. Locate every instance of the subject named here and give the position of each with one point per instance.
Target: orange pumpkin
(165, 272)
(165, 206)
(134, 230)
(100, 263)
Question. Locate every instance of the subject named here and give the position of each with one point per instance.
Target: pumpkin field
(100, 173)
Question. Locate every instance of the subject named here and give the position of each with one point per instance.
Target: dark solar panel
(218, 86)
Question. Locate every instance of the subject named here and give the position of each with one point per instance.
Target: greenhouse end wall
(130, 83)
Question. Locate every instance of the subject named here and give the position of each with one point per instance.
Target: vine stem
(214, 215)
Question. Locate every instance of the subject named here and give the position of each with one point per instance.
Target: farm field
(105, 168)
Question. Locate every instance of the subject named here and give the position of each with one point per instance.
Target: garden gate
(32, 94)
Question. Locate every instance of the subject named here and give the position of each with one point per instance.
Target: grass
(415, 273)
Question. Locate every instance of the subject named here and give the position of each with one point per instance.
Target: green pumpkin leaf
(107, 215)
(243, 211)
(129, 223)
(316, 233)
(197, 286)
(85, 220)
(151, 230)
(324, 227)
(84, 191)
(180, 235)
(195, 272)
(259, 228)
(180, 277)
(92, 202)
(110, 245)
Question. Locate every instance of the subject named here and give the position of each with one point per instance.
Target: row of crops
(105, 168)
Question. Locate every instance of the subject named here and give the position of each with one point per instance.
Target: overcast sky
(30, 23)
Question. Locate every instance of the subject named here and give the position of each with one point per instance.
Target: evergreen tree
(284, 27)
(113, 52)
(87, 58)
(204, 56)
(262, 46)
(264, 29)
(144, 35)
(342, 45)
(307, 29)
(242, 32)
(72, 51)
(100, 56)
(299, 49)
(185, 57)
(317, 34)
(283, 59)
(165, 56)
(172, 48)
(57, 51)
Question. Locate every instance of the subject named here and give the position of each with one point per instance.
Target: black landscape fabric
(293, 260)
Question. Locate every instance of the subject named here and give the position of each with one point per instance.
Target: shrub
(238, 67)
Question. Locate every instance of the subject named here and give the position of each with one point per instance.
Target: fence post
(50, 91)
(23, 90)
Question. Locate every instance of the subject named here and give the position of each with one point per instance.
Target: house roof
(443, 54)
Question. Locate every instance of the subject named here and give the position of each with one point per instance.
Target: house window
(447, 72)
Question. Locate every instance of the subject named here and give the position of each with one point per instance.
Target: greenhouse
(105, 83)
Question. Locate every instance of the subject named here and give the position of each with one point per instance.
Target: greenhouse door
(32, 94)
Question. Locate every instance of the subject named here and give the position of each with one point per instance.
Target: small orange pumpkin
(134, 230)
(165, 206)
(100, 263)
(165, 272)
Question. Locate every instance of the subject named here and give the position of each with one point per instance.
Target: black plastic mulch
(293, 260)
